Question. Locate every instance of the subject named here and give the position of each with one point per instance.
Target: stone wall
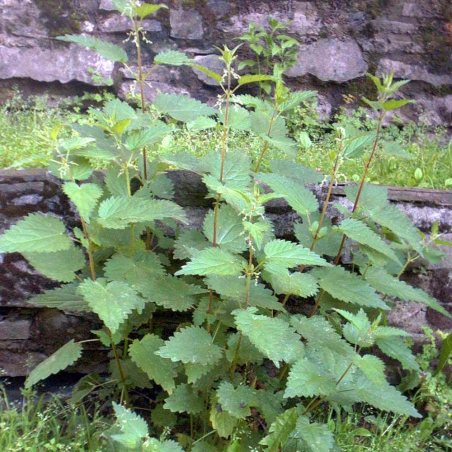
(340, 41)
(29, 334)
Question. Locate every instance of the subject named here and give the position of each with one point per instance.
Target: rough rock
(62, 64)
(186, 24)
(330, 60)
(210, 62)
(413, 72)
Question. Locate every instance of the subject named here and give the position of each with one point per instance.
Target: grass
(25, 128)
(45, 423)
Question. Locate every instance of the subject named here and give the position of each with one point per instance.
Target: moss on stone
(61, 17)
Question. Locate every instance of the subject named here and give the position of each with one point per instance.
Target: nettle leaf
(299, 198)
(112, 302)
(314, 437)
(184, 399)
(348, 287)
(260, 231)
(372, 367)
(213, 261)
(106, 49)
(133, 427)
(236, 401)
(247, 352)
(283, 282)
(398, 349)
(327, 245)
(307, 379)
(288, 254)
(273, 337)
(154, 445)
(230, 231)
(145, 9)
(119, 212)
(140, 139)
(60, 265)
(358, 144)
(213, 75)
(36, 233)
(170, 292)
(361, 233)
(189, 243)
(302, 174)
(161, 370)
(393, 287)
(182, 108)
(318, 331)
(238, 200)
(116, 183)
(84, 197)
(280, 430)
(64, 298)
(238, 118)
(172, 58)
(201, 123)
(235, 288)
(254, 78)
(64, 357)
(359, 330)
(385, 397)
(295, 99)
(191, 345)
(142, 266)
(283, 143)
(223, 422)
(236, 171)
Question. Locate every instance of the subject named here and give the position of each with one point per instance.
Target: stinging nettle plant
(268, 331)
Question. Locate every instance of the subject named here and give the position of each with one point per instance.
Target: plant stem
(267, 144)
(325, 204)
(358, 196)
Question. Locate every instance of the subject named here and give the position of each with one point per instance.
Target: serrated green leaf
(397, 348)
(170, 292)
(328, 244)
(251, 78)
(302, 174)
(85, 197)
(236, 171)
(133, 428)
(394, 104)
(222, 421)
(213, 261)
(60, 266)
(359, 330)
(106, 49)
(393, 287)
(273, 337)
(236, 401)
(299, 198)
(318, 331)
(295, 99)
(201, 123)
(189, 243)
(372, 367)
(161, 370)
(112, 302)
(259, 231)
(361, 233)
(182, 108)
(142, 266)
(230, 232)
(314, 437)
(235, 288)
(213, 75)
(284, 282)
(191, 345)
(358, 144)
(140, 139)
(247, 352)
(154, 445)
(119, 212)
(385, 397)
(288, 255)
(348, 287)
(172, 58)
(280, 430)
(67, 355)
(285, 144)
(64, 298)
(145, 9)
(238, 118)
(36, 233)
(184, 399)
